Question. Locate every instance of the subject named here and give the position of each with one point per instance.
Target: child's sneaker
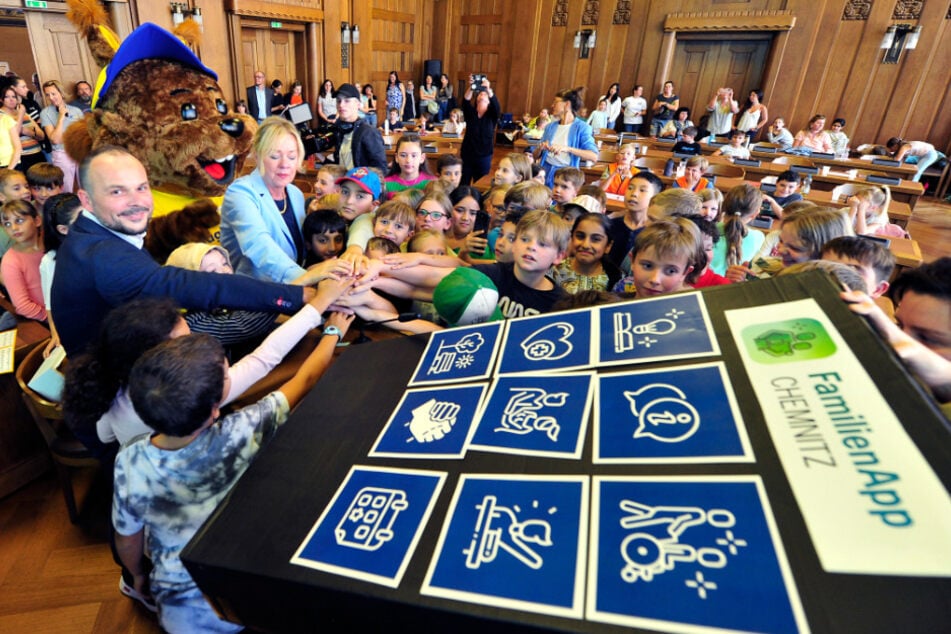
(132, 593)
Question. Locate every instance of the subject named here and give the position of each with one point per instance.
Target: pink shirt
(21, 276)
(819, 142)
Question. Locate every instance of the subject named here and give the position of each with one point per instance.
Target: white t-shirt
(562, 159)
(633, 107)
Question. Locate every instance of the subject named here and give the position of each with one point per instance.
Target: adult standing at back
(482, 116)
(567, 142)
(613, 97)
(261, 98)
(395, 93)
(722, 108)
(634, 107)
(663, 109)
(56, 119)
(327, 104)
(754, 115)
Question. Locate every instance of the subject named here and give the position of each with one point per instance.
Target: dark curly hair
(93, 379)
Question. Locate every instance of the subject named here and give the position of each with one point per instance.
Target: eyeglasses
(435, 215)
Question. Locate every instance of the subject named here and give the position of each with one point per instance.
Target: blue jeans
(924, 162)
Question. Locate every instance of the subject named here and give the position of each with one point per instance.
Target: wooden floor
(56, 577)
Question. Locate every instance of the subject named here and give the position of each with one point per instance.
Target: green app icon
(787, 341)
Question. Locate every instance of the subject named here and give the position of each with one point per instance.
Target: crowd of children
(395, 243)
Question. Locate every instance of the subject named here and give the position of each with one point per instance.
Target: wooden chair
(794, 160)
(726, 170)
(652, 163)
(66, 451)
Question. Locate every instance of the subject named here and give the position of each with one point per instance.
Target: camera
(476, 84)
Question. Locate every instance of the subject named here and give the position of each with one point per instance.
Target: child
(868, 208)
(393, 121)
(921, 341)
(587, 268)
(801, 237)
(325, 234)
(44, 180)
(922, 298)
(178, 387)
(644, 186)
(327, 177)
(493, 203)
(779, 135)
(360, 191)
(688, 142)
(327, 202)
(786, 185)
(578, 207)
(567, 181)
(395, 221)
(378, 246)
(430, 242)
(449, 170)
(710, 201)
(710, 235)
(434, 212)
(693, 179)
(541, 242)
(736, 148)
(840, 141)
(13, 186)
(20, 266)
(506, 237)
(740, 205)
(513, 169)
(466, 207)
(538, 174)
(617, 175)
(456, 124)
(59, 213)
(521, 198)
(871, 260)
(409, 170)
(598, 194)
(667, 256)
(673, 202)
(599, 118)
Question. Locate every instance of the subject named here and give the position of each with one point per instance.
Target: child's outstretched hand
(329, 290)
(402, 260)
(341, 321)
(927, 364)
(739, 273)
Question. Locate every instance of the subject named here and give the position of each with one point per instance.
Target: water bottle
(669, 167)
(681, 168)
(807, 184)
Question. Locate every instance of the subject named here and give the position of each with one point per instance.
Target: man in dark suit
(358, 143)
(260, 98)
(103, 264)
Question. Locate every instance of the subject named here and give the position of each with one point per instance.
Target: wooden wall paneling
(16, 45)
(213, 48)
(918, 79)
(857, 61)
(59, 51)
(524, 67)
(329, 64)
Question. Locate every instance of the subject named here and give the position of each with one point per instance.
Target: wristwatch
(333, 331)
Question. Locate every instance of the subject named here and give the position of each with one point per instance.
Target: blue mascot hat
(149, 41)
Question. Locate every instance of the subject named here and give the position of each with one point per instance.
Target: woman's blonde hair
(269, 134)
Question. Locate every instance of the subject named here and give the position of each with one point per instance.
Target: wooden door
(702, 66)
(59, 51)
(278, 52)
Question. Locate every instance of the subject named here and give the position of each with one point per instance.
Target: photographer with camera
(482, 114)
(358, 143)
(722, 108)
(663, 109)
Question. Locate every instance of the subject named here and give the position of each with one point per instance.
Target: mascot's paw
(193, 223)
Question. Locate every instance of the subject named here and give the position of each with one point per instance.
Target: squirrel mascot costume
(156, 99)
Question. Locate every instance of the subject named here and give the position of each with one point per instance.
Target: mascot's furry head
(155, 98)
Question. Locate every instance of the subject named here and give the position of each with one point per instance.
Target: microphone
(402, 318)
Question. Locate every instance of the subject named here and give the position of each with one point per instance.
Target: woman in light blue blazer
(262, 213)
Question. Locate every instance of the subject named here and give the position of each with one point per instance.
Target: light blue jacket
(579, 136)
(255, 235)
